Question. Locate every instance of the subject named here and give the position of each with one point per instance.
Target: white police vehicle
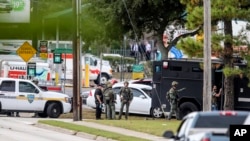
(19, 95)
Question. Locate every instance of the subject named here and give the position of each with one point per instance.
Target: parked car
(214, 136)
(197, 126)
(141, 103)
(145, 81)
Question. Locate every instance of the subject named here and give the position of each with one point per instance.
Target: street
(23, 129)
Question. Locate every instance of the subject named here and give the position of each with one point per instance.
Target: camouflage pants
(127, 109)
(173, 109)
(110, 111)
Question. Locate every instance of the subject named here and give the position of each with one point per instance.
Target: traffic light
(57, 58)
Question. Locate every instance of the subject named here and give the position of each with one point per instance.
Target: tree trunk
(228, 61)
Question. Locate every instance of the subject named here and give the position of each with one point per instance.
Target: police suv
(20, 95)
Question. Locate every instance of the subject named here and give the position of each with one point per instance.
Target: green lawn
(136, 123)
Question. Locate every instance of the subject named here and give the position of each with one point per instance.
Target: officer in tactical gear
(109, 100)
(173, 99)
(126, 97)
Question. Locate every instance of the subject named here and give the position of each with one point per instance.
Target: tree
(136, 17)
(222, 11)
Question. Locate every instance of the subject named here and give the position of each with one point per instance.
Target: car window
(205, 121)
(148, 92)
(183, 127)
(136, 92)
(26, 87)
(8, 86)
(117, 90)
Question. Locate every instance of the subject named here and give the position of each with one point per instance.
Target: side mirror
(142, 96)
(168, 134)
(95, 62)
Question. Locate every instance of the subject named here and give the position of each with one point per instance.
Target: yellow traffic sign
(26, 51)
(44, 55)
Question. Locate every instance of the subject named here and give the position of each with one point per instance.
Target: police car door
(8, 94)
(140, 103)
(29, 98)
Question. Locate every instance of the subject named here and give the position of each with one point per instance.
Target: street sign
(26, 51)
(43, 49)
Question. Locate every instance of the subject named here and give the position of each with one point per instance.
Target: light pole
(207, 96)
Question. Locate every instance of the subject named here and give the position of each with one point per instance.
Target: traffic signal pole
(77, 104)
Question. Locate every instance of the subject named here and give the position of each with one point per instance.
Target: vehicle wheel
(42, 115)
(186, 108)
(156, 112)
(104, 79)
(54, 110)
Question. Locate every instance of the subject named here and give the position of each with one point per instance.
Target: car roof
(214, 113)
(140, 86)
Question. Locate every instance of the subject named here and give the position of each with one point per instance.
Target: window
(117, 90)
(195, 69)
(8, 86)
(175, 68)
(218, 121)
(157, 69)
(136, 92)
(26, 87)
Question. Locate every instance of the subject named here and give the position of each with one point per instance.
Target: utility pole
(77, 103)
(207, 96)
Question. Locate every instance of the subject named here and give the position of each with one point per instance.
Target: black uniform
(98, 91)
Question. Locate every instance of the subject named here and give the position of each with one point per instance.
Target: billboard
(14, 11)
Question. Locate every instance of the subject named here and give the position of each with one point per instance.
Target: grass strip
(89, 130)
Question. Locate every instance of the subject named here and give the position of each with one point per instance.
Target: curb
(71, 132)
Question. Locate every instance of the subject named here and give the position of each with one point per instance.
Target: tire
(54, 110)
(42, 115)
(185, 109)
(104, 79)
(156, 112)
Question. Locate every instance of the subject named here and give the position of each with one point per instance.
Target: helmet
(35, 80)
(174, 83)
(125, 82)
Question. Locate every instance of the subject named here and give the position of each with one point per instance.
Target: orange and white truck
(100, 70)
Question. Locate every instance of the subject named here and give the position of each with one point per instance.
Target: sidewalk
(116, 130)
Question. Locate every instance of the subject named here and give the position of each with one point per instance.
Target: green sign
(57, 58)
(138, 68)
(18, 5)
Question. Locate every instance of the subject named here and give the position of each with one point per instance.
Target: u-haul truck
(99, 73)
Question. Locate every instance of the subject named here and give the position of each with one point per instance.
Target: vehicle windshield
(205, 121)
(148, 92)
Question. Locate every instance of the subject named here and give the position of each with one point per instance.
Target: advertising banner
(14, 11)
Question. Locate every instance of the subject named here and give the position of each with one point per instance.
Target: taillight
(165, 65)
(90, 93)
(205, 139)
(228, 113)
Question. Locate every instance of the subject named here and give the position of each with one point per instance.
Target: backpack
(108, 95)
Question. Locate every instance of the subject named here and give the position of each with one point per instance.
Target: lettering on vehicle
(18, 68)
(31, 98)
(239, 132)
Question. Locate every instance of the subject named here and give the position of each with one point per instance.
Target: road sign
(43, 49)
(26, 51)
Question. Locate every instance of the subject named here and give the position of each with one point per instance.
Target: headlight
(67, 99)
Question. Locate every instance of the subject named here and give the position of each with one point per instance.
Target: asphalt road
(24, 129)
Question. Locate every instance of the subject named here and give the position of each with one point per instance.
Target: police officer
(126, 97)
(109, 100)
(98, 101)
(173, 99)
